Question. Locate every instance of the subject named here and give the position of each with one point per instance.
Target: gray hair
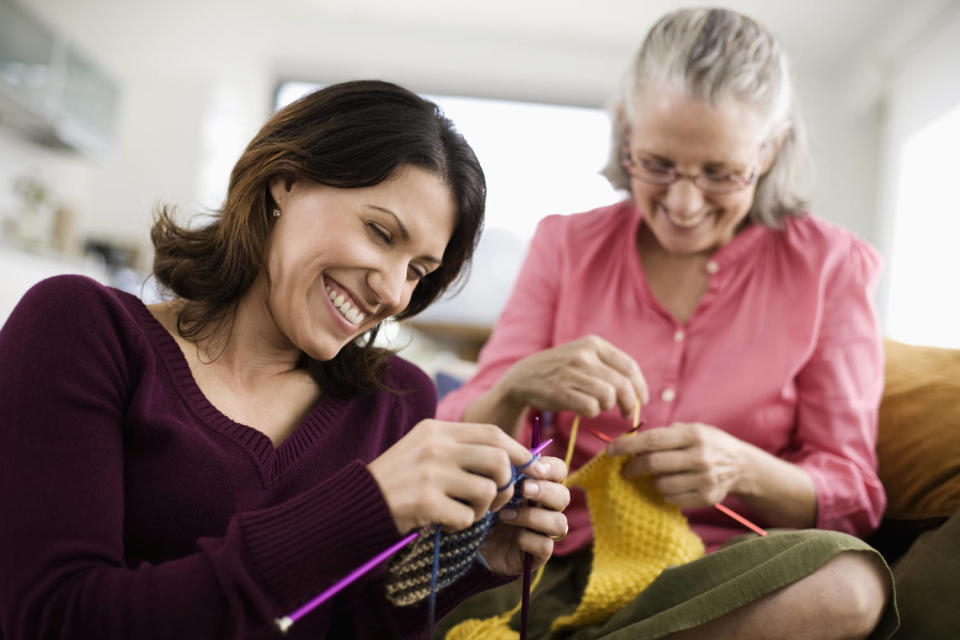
(715, 54)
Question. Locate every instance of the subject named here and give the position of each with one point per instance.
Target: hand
(585, 376)
(447, 473)
(693, 464)
(528, 528)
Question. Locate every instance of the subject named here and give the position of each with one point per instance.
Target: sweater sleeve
(839, 393)
(526, 324)
(66, 379)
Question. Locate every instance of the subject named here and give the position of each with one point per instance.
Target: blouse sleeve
(526, 323)
(839, 393)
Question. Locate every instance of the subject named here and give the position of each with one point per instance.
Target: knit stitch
(637, 535)
(410, 576)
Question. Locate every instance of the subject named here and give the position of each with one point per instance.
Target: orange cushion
(919, 434)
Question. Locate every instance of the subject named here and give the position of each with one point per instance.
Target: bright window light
(924, 305)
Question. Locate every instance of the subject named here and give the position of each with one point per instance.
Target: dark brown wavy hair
(348, 135)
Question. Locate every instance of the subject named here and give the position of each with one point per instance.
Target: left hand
(530, 527)
(692, 464)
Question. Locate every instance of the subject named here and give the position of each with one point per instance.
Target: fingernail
(538, 468)
(508, 514)
(531, 488)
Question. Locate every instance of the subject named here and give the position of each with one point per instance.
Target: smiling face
(341, 260)
(672, 130)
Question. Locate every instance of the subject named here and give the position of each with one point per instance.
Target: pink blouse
(783, 351)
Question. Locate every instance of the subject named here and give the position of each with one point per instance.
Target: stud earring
(276, 212)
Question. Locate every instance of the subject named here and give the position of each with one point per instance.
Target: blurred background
(111, 107)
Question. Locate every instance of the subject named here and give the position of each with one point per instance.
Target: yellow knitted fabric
(636, 535)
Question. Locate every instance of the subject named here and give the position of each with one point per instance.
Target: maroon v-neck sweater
(130, 507)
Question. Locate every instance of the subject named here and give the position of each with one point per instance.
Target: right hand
(447, 473)
(585, 376)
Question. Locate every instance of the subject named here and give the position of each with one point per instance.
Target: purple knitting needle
(287, 621)
(527, 558)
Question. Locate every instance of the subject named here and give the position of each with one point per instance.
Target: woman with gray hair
(744, 327)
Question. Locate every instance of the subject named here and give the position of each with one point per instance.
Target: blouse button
(668, 395)
(712, 267)
(679, 336)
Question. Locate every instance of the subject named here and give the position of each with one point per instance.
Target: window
(924, 305)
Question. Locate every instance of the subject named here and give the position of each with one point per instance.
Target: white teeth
(345, 307)
(692, 222)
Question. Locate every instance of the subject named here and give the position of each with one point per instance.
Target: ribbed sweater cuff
(309, 542)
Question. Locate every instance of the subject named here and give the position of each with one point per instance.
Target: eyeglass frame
(742, 181)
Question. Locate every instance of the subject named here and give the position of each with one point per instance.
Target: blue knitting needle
(287, 621)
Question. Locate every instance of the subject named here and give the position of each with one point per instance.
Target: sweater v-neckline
(272, 461)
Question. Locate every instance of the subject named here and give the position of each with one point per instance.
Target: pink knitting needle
(287, 621)
(722, 508)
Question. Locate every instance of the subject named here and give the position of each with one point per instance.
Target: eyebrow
(403, 230)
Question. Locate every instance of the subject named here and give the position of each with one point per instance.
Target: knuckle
(489, 492)
(581, 358)
(591, 408)
(462, 521)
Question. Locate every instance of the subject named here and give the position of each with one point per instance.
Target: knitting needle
(527, 558)
(739, 518)
(287, 621)
(720, 507)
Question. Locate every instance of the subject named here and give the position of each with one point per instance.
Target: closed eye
(418, 272)
(382, 232)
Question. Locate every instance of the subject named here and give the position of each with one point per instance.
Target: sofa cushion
(919, 434)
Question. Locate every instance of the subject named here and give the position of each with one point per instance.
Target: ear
(772, 148)
(280, 189)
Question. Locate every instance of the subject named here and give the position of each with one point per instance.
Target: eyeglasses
(656, 173)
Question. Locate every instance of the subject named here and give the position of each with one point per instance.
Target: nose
(389, 285)
(683, 196)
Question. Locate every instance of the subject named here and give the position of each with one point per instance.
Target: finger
(448, 513)
(627, 367)
(601, 382)
(487, 461)
(492, 435)
(537, 519)
(547, 468)
(537, 545)
(478, 492)
(689, 490)
(689, 500)
(658, 463)
(656, 439)
(676, 484)
(550, 495)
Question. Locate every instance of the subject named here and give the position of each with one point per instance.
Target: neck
(248, 347)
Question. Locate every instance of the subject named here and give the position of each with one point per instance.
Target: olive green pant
(743, 571)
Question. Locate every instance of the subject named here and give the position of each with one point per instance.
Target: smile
(686, 223)
(346, 308)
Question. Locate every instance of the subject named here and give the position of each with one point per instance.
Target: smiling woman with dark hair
(202, 466)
